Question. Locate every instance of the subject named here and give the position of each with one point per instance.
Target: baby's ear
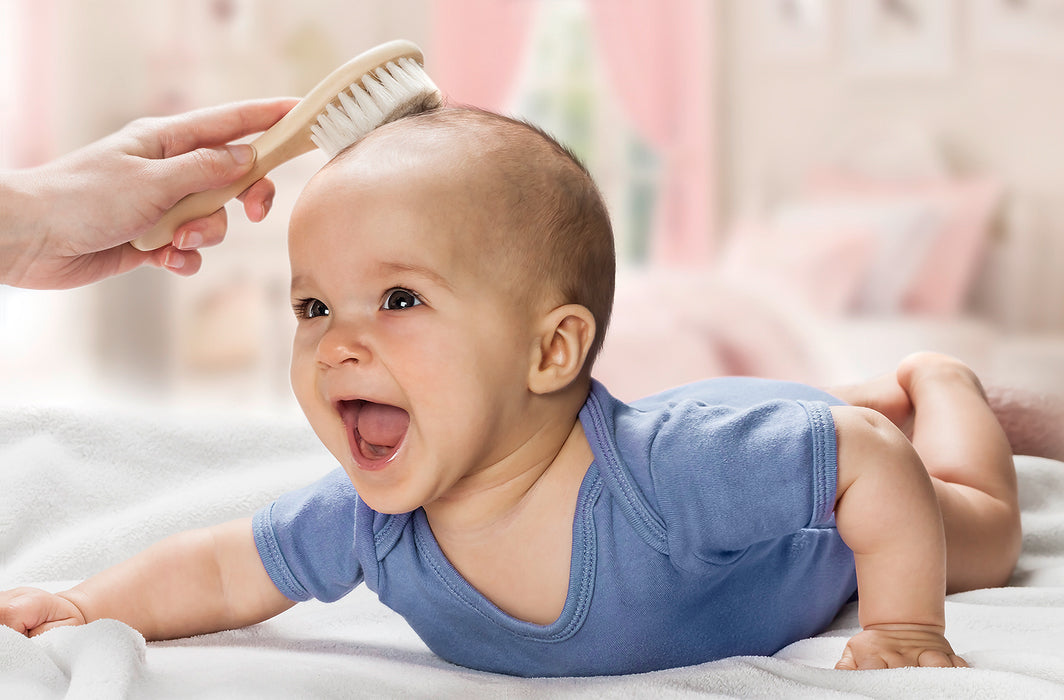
(565, 337)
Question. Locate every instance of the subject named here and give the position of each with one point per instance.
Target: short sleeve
(726, 478)
(306, 540)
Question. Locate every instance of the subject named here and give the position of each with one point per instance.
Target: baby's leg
(1033, 422)
(969, 458)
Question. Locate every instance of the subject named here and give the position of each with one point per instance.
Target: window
(563, 90)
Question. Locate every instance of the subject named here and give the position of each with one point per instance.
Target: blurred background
(803, 189)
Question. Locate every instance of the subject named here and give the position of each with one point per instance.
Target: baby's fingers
(23, 609)
(846, 663)
(30, 611)
(258, 199)
(939, 659)
(866, 662)
(930, 658)
(41, 629)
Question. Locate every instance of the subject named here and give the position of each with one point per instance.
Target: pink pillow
(825, 267)
(967, 207)
(901, 231)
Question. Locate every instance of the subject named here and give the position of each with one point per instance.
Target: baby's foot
(917, 370)
(1033, 422)
(882, 394)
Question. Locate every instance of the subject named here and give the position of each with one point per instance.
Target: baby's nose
(342, 343)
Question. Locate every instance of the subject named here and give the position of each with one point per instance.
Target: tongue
(382, 426)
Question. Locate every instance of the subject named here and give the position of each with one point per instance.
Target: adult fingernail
(190, 240)
(242, 153)
(173, 260)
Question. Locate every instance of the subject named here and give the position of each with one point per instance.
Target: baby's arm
(191, 583)
(887, 513)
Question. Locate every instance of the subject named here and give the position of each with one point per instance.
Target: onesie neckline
(581, 570)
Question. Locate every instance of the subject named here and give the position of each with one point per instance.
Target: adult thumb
(208, 168)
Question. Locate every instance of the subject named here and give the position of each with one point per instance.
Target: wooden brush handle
(285, 140)
(281, 143)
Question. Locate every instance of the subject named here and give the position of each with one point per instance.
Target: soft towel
(84, 490)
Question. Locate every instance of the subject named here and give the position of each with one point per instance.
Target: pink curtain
(659, 56)
(31, 128)
(477, 49)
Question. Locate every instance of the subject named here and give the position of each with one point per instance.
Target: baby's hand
(894, 646)
(31, 611)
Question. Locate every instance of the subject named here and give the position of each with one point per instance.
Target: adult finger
(202, 233)
(198, 170)
(213, 126)
(184, 263)
(258, 199)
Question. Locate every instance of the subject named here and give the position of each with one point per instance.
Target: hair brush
(376, 87)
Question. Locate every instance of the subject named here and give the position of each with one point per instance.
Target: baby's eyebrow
(298, 282)
(419, 270)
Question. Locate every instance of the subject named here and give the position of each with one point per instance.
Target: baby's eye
(395, 299)
(310, 308)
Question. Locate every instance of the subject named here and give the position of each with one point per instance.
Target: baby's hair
(556, 215)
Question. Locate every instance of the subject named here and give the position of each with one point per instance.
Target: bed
(84, 488)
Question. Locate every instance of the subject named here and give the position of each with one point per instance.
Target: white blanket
(84, 490)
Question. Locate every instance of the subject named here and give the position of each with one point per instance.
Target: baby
(452, 275)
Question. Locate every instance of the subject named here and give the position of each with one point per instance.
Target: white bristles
(392, 91)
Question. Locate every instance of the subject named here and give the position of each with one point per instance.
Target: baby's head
(543, 223)
(454, 271)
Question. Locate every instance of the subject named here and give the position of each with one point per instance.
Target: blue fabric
(703, 529)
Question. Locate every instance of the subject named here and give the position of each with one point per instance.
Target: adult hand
(68, 223)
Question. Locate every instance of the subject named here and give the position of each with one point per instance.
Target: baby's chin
(390, 505)
(387, 499)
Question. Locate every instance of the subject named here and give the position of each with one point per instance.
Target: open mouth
(374, 431)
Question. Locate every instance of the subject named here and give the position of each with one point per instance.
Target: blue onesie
(703, 529)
